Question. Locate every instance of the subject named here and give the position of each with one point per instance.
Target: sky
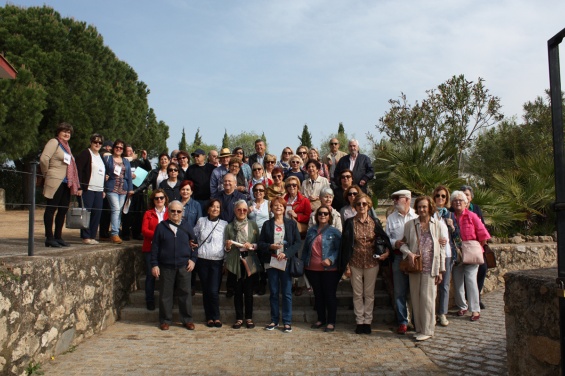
(273, 66)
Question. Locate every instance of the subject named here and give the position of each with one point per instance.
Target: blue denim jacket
(331, 239)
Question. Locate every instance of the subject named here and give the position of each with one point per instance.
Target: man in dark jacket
(173, 259)
(199, 173)
(260, 153)
(358, 163)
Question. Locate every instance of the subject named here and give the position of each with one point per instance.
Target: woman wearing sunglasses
(296, 169)
(258, 177)
(362, 240)
(157, 212)
(171, 185)
(277, 189)
(209, 233)
(269, 164)
(118, 186)
(284, 162)
(91, 175)
(320, 254)
(348, 211)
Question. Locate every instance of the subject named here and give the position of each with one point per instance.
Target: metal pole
(31, 225)
(559, 161)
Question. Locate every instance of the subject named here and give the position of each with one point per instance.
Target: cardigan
(292, 239)
(412, 239)
(348, 241)
(53, 167)
(111, 182)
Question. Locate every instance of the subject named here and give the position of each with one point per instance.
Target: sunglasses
(361, 204)
(346, 177)
(302, 152)
(239, 152)
(352, 193)
(175, 211)
(257, 169)
(334, 143)
(323, 214)
(242, 210)
(259, 190)
(270, 162)
(182, 158)
(118, 148)
(291, 185)
(173, 170)
(97, 142)
(442, 196)
(287, 152)
(277, 176)
(159, 198)
(294, 162)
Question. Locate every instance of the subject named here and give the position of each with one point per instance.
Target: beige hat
(402, 193)
(225, 152)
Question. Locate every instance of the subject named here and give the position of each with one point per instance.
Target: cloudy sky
(272, 66)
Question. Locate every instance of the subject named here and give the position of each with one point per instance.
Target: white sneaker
(422, 337)
(443, 320)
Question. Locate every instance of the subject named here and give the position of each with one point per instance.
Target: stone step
(261, 316)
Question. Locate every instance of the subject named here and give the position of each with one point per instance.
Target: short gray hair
(239, 203)
(459, 195)
(468, 188)
(326, 191)
(175, 202)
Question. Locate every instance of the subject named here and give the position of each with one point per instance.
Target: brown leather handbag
(405, 266)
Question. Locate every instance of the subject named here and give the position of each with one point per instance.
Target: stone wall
(50, 303)
(522, 256)
(532, 322)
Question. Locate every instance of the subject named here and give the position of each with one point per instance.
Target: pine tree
(341, 130)
(306, 138)
(182, 144)
(225, 140)
(197, 138)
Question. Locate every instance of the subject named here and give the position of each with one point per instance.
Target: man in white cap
(217, 178)
(395, 231)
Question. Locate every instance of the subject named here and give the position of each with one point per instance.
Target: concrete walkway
(129, 348)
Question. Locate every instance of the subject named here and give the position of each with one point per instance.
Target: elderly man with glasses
(333, 157)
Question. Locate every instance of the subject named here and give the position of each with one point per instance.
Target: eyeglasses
(277, 176)
(270, 162)
(239, 152)
(346, 176)
(323, 214)
(287, 152)
(442, 196)
(159, 198)
(259, 190)
(182, 158)
(243, 210)
(302, 152)
(173, 170)
(291, 185)
(457, 201)
(257, 169)
(352, 193)
(97, 142)
(118, 148)
(334, 143)
(362, 204)
(175, 211)
(294, 162)
(234, 165)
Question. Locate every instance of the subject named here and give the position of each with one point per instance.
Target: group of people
(250, 219)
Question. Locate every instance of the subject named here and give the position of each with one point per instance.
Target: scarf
(241, 234)
(72, 173)
(443, 212)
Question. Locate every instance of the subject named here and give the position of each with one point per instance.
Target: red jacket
(150, 222)
(301, 207)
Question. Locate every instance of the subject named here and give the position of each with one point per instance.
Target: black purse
(380, 248)
(296, 267)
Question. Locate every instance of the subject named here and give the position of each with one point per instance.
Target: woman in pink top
(465, 275)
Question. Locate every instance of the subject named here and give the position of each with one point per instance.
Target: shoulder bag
(472, 252)
(78, 218)
(405, 265)
(489, 257)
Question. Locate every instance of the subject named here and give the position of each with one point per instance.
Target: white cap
(402, 193)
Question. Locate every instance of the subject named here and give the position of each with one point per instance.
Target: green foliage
(419, 167)
(225, 140)
(246, 140)
(341, 129)
(68, 74)
(197, 139)
(453, 113)
(182, 143)
(34, 369)
(306, 137)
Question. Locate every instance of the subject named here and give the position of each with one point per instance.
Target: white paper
(275, 263)
(117, 170)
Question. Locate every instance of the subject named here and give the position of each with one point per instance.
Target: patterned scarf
(72, 173)
(241, 234)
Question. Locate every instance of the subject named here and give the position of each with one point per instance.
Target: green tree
(197, 139)
(246, 140)
(225, 140)
(342, 137)
(455, 112)
(70, 76)
(182, 144)
(306, 137)
(340, 129)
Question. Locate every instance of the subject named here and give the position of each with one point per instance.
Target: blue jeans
(280, 281)
(93, 201)
(149, 280)
(116, 202)
(209, 272)
(443, 288)
(401, 286)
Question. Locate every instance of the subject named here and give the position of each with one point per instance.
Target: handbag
(78, 218)
(253, 263)
(472, 252)
(296, 267)
(489, 257)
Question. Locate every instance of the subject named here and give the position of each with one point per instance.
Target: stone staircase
(302, 306)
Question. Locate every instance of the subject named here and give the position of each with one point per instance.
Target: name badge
(67, 159)
(100, 170)
(117, 170)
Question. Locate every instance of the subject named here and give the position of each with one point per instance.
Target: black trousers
(175, 280)
(60, 204)
(324, 284)
(243, 292)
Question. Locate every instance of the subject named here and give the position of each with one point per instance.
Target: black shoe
(367, 329)
(52, 243)
(138, 237)
(126, 238)
(62, 243)
(481, 305)
(261, 291)
(229, 293)
(359, 329)
(150, 306)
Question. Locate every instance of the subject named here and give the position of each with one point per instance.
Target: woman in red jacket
(156, 213)
(298, 208)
